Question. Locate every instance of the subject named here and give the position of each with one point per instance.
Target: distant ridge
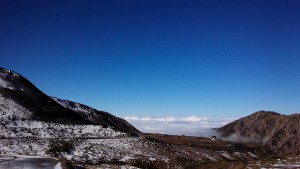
(280, 133)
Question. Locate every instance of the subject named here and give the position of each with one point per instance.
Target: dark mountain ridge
(17, 88)
(280, 133)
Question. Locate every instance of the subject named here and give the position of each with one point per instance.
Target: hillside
(280, 133)
(20, 100)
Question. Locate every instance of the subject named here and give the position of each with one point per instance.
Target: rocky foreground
(144, 151)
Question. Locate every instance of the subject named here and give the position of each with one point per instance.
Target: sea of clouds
(190, 125)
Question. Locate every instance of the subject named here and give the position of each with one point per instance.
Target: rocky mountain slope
(280, 133)
(20, 100)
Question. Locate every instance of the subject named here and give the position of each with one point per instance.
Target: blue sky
(158, 58)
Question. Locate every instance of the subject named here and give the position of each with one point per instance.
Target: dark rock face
(18, 89)
(280, 133)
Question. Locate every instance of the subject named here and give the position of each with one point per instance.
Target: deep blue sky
(158, 58)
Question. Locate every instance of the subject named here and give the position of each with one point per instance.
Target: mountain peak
(264, 113)
(278, 132)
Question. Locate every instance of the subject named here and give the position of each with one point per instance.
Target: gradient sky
(158, 58)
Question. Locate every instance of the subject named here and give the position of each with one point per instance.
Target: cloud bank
(190, 125)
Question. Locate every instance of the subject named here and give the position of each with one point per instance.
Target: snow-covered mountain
(22, 103)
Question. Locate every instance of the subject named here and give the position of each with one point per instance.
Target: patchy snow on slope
(6, 79)
(93, 151)
(253, 155)
(210, 157)
(9, 110)
(289, 163)
(88, 112)
(38, 129)
(126, 158)
(15, 122)
(73, 106)
(4, 83)
(226, 155)
(108, 149)
(26, 147)
(118, 150)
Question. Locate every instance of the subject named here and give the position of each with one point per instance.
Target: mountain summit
(280, 133)
(20, 100)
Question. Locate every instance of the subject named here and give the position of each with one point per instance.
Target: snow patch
(152, 159)
(58, 166)
(126, 158)
(253, 155)
(226, 155)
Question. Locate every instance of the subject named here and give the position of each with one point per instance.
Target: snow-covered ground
(38, 129)
(86, 150)
(9, 110)
(15, 121)
(125, 150)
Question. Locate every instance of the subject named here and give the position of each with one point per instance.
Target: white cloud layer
(190, 125)
(168, 119)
